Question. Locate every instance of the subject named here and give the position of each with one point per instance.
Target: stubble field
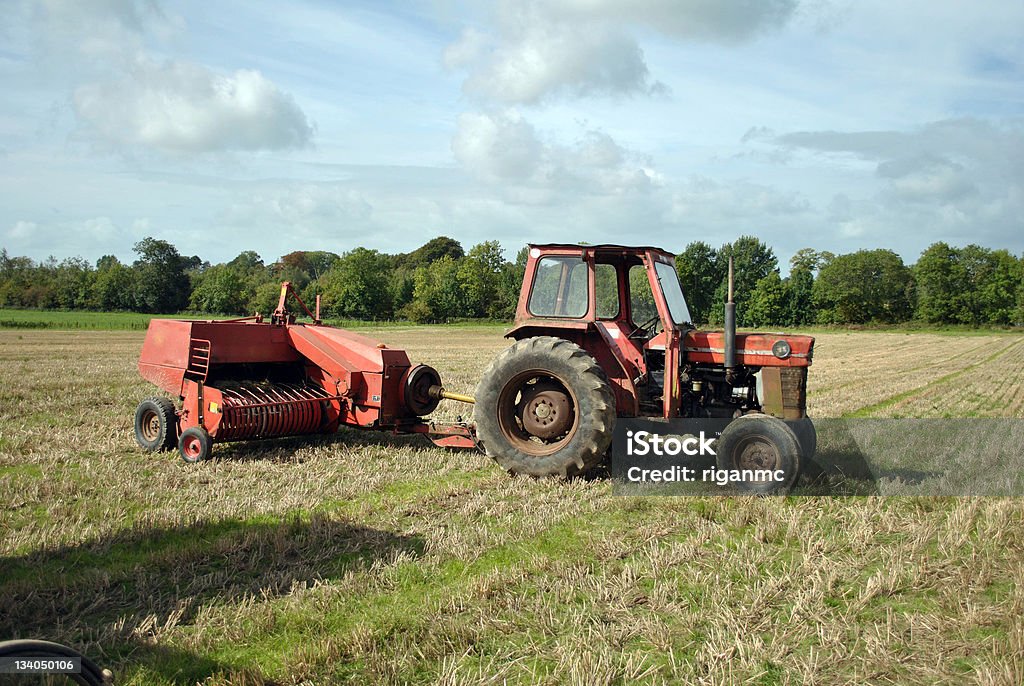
(362, 558)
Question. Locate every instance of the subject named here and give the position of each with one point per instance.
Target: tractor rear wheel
(156, 427)
(544, 408)
(762, 443)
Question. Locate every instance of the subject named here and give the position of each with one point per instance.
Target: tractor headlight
(781, 349)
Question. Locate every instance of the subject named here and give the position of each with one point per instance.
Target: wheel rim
(192, 447)
(150, 425)
(756, 452)
(537, 412)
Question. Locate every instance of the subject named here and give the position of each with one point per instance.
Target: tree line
(440, 281)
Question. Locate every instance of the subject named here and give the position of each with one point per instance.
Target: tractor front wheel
(762, 444)
(544, 408)
(156, 426)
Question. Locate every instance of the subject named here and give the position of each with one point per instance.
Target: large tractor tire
(760, 442)
(544, 408)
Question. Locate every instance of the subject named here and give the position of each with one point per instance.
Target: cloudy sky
(274, 126)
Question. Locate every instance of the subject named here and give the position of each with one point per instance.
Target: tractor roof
(599, 247)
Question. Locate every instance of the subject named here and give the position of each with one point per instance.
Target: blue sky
(277, 126)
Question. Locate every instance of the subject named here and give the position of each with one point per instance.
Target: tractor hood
(752, 349)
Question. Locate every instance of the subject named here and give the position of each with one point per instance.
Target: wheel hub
(547, 412)
(758, 454)
(151, 426)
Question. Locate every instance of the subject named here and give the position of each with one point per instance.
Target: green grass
(72, 320)
(364, 558)
(137, 321)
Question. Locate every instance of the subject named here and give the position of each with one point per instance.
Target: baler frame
(247, 378)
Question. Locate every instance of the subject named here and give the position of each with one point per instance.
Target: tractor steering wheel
(647, 329)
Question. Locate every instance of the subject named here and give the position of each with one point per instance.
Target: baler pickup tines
(266, 410)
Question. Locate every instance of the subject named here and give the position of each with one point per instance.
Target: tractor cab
(621, 304)
(633, 288)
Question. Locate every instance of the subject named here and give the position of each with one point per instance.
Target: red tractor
(603, 331)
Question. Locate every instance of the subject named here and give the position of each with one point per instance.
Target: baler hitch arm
(283, 316)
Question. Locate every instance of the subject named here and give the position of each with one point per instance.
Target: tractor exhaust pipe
(730, 331)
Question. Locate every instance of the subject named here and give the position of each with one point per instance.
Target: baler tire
(195, 445)
(156, 425)
(763, 435)
(536, 371)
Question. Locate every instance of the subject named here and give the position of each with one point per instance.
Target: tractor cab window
(559, 288)
(606, 289)
(673, 293)
(641, 299)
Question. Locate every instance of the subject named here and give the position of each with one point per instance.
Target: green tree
(73, 280)
(430, 252)
(439, 293)
(800, 284)
(939, 280)
(768, 304)
(160, 284)
(264, 299)
(865, 286)
(358, 286)
(114, 285)
(221, 289)
(752, 261)
(699, 276)
(478, 273)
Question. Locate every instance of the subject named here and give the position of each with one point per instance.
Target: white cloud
(22, 230)
(499, 147)
(551, 58)
(505, 149)
(927, 179)
(545, 48)
(181, 107)
(958, 179)
(68, 237)
(126, 97)
(98, 30)
(700, 200)
(709, 20)
(310, 208)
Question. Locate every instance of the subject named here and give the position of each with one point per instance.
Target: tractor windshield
(673, 294)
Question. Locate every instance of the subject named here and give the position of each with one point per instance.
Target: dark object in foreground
(45, 657)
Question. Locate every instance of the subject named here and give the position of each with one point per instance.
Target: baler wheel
(195, 444)
(544, 408)
(156, 424)
(760, 442)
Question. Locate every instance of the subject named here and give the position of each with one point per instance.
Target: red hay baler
(249, 378)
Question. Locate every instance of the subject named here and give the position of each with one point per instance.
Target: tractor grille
(263, 410)
(794, 391)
